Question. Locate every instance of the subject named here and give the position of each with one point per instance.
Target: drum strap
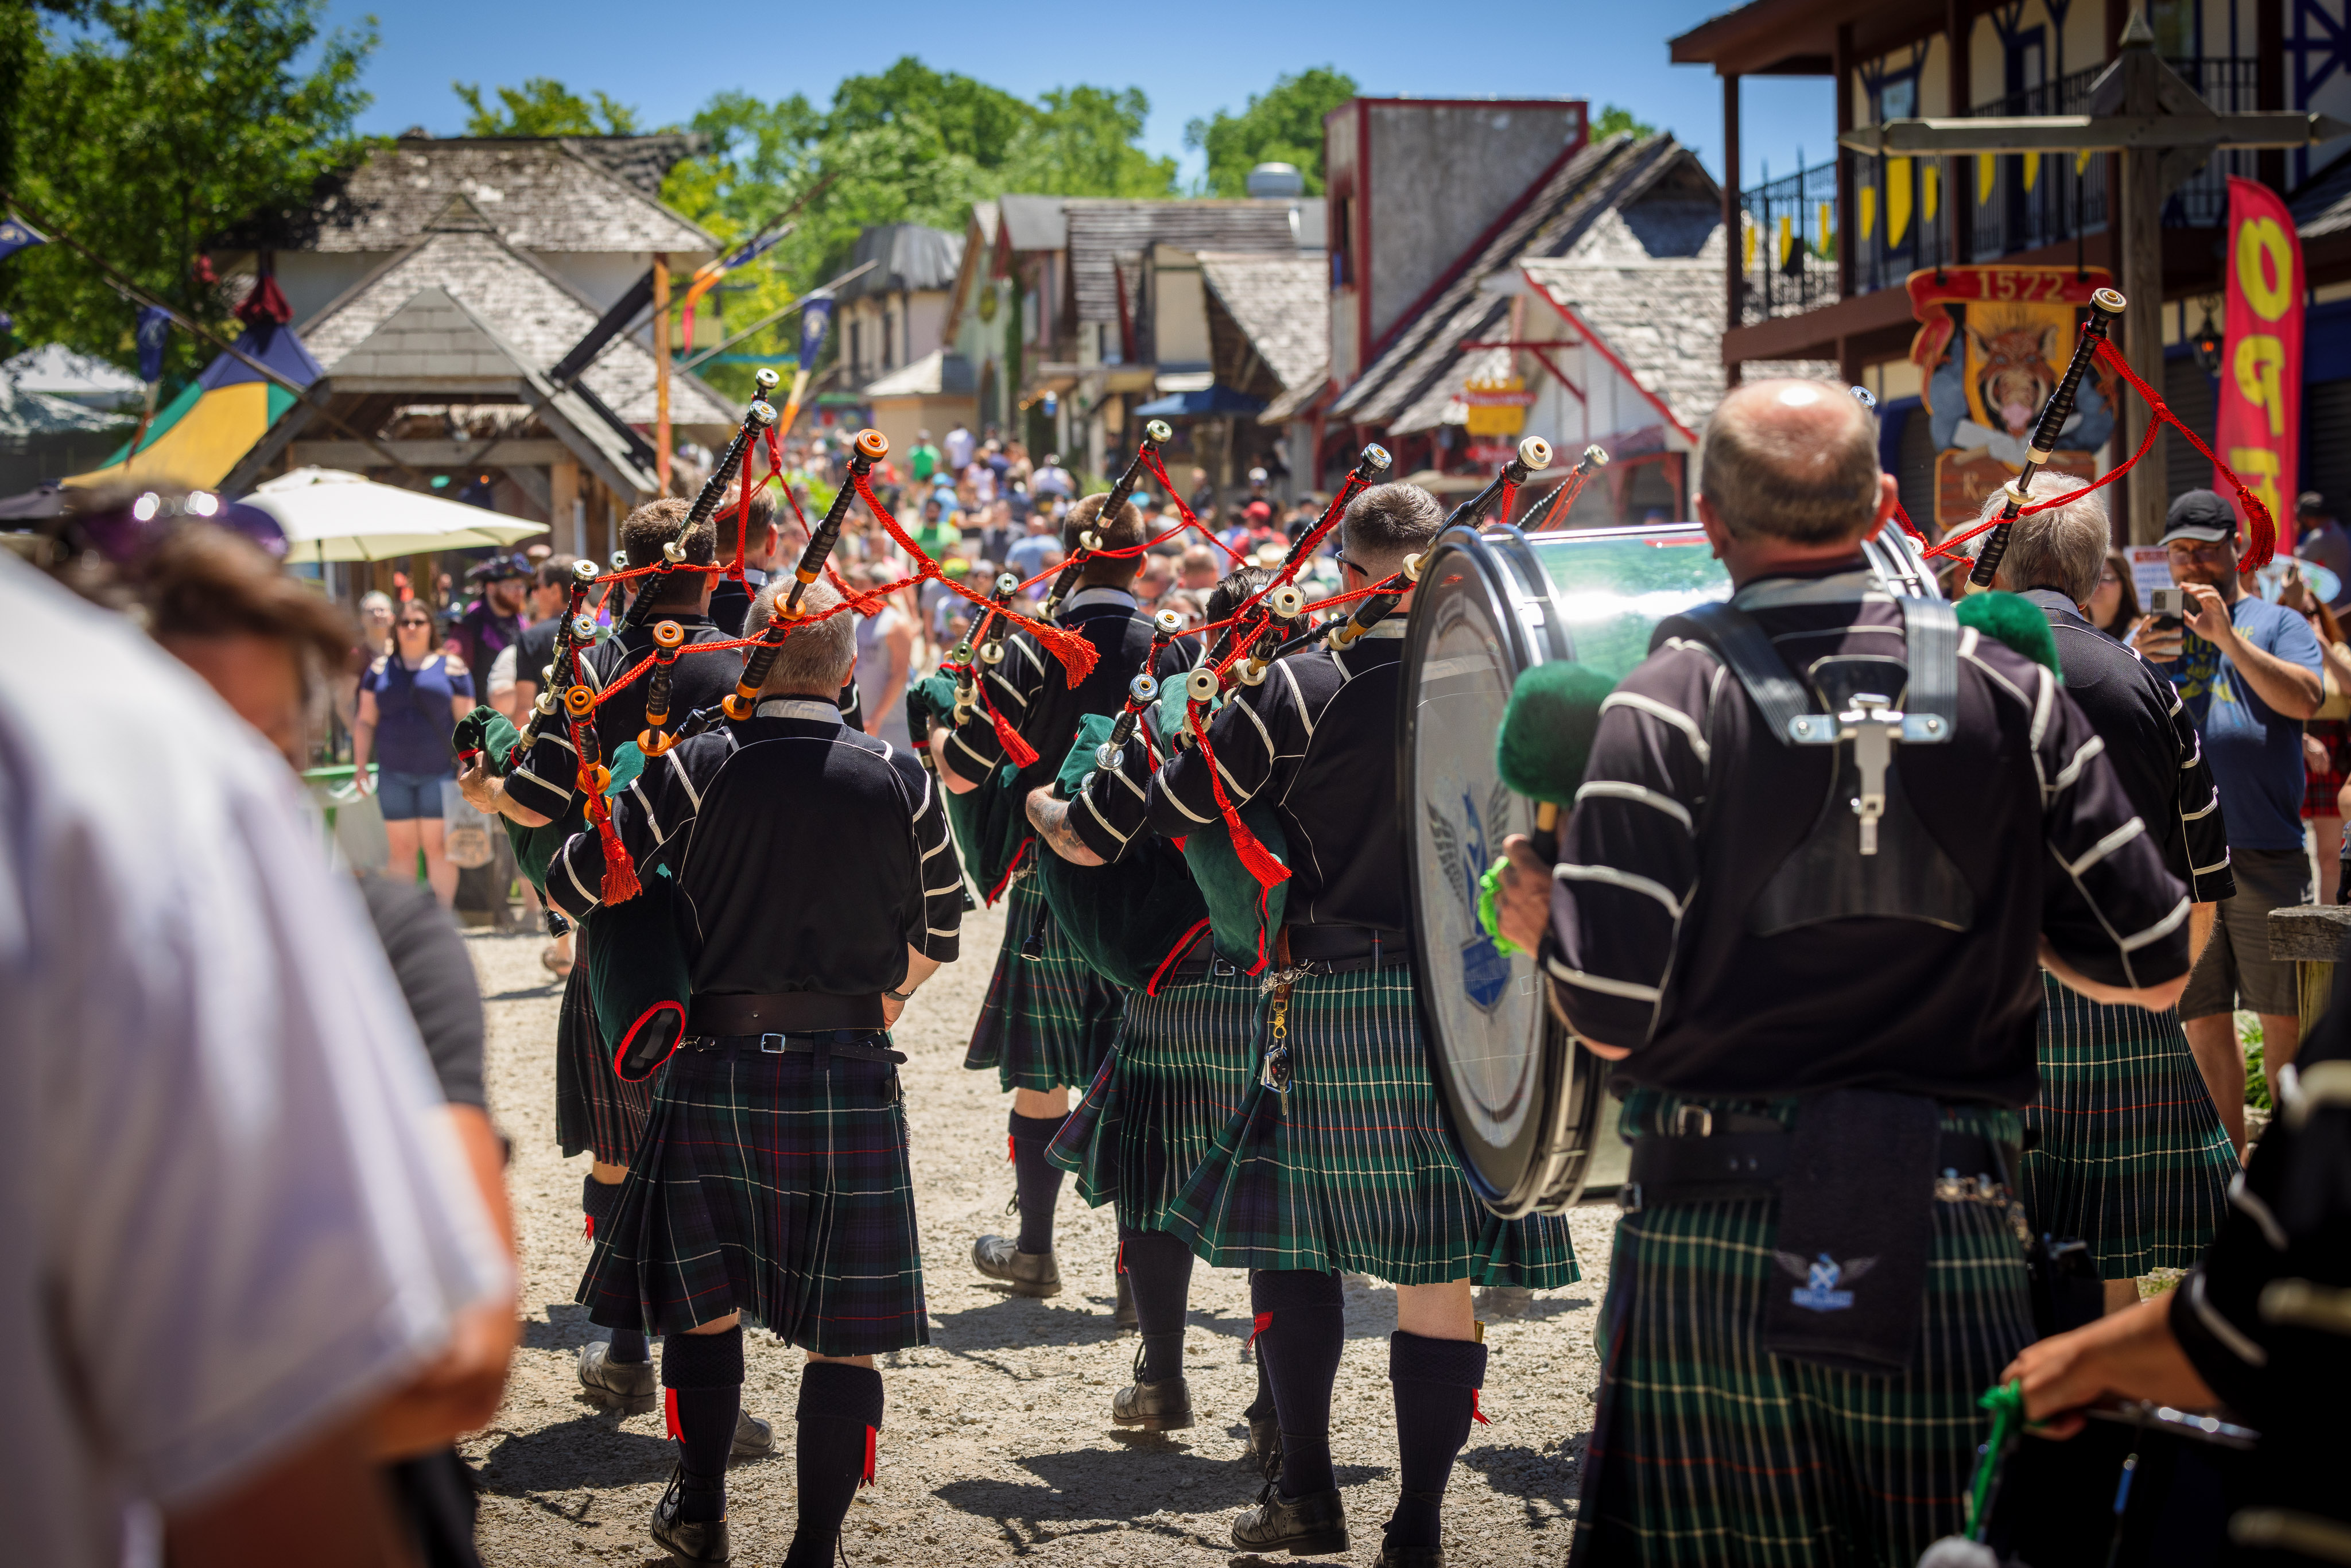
(1931, 634)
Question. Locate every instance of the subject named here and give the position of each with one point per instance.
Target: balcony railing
(2016, 203)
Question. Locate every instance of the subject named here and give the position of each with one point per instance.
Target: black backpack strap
(1742, 643)
(1930, 636)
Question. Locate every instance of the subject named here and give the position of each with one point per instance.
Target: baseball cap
(2311, 501)
(2200, 514)
(1258, 512)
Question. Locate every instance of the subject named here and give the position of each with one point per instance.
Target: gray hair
(2061, 547)
(374, 598)
(1386, 523)
(1795, 467)
(815, 659)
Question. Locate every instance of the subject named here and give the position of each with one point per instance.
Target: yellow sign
(1497, 407)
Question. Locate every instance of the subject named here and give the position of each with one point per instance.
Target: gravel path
(997, 1445)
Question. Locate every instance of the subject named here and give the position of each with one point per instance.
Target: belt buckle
(1628, 1197)
(775, 1050)
(1223, 968)
(1682, 1114)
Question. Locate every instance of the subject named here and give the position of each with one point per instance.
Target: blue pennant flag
(15, 235)
(755, 250)
(154, 336)
(816, 320)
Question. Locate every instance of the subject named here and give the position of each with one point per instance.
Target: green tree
(154, 126)
(1082, 142)
(1615, 120)
(969, 118)
(543, 107)
(1281, 125)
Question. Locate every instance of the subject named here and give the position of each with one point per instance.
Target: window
(1898, 98)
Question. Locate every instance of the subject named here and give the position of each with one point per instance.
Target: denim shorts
(404, 797)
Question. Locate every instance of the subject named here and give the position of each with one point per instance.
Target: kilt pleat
(2131, 1156)
(1708, 1450)
(1353, 1170)
(1049, 1020)
(1180, 1069)
(765, 1188)
(595, 1108)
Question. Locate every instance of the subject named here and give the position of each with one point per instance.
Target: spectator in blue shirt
(2248, 672)
(408, 701)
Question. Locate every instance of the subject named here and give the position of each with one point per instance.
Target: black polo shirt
(544, 781)
(1687, 810)
(2152, 742)
(535, 650)
(812, 855)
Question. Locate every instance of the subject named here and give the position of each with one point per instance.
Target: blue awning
(1211, 402)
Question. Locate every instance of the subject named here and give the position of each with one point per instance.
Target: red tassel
(1258, 859)
(1011, 1149)
(669, 1408)
(1474, 1414)
(1078, 656)
(867, 1480)
(1022, 753)
(1258, 1324)
(620, 883)
(590, 1220)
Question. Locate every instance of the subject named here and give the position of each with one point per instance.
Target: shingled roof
(542, 194)
(1101, 233)
(907, 257)
(531, 308)
(1661, 320)
(1406, 387)
(1281, 303)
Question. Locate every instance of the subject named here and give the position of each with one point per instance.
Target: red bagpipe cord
(620, 883)
(1022, 753)
(2261, 528)
(1259, 862)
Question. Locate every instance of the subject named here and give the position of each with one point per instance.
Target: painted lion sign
(1990, 346)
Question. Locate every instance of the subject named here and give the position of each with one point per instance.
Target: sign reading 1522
(2024, 284)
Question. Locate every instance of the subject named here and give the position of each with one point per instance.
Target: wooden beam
(357, 456)
(2269, 82)
(563, 487)
(660, 369)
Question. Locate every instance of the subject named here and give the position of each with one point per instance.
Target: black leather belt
(1344, 949)
(857, 1045)
(1721, 1156)
(784, 1012)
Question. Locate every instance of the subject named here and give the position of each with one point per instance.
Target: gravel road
(997, 1445)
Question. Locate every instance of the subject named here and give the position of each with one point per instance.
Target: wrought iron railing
(1787, 245)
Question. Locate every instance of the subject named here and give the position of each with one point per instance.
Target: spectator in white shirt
(960, 447)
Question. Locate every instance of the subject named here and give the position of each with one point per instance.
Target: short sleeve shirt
(415, 711)
(2255, 751)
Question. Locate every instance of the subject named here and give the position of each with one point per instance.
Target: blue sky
(1192, 60)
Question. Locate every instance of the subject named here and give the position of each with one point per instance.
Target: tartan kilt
(1708, 1450)
(595, 1108)
(764, 1187)
(1181, 1068)
(2131, 1156)
(1353, 1168)
(1049, 1021)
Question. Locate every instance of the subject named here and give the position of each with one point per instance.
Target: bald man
(1817, 967)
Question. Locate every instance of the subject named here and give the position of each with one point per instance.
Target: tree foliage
(1281, 125)
(153, 125)
(1614, 120)
(544, 107)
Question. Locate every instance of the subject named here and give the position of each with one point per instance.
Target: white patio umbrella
(331, 515)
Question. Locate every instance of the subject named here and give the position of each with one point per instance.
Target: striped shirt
(1031, 690)
(2151, 740)
(812, 855)
(1317, 738)
(543, 781)
(1687, 811)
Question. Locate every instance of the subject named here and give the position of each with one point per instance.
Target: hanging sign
(1497, 407)
(2257, 432)
(1991, 347)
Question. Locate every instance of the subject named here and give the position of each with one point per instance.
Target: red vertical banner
(2258, 430)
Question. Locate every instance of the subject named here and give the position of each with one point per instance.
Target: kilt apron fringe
(1353, 1170)
(2131, 1158)
(1049, 1019)
(765, 1188)
(595, 1108)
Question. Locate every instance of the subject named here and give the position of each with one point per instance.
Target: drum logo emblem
(1463, 851)
(1819, 1292)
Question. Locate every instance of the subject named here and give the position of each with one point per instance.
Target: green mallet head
(1547, 730)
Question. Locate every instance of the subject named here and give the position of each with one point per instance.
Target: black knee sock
(703, 1374)
(1159, 1272)
(1436, 1383)
(1261, 1408)
(840, 1417)
(1302, 1326)
(1038, 1182)
(600, 1201)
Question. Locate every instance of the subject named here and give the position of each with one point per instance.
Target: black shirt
(1687, 810)
(1032, 691)
(812, 855)
(1318, 740)
(437, 977)
(544, 781)
(2151, 741)
(535, 650)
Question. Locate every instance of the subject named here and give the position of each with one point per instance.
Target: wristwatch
(899, 997)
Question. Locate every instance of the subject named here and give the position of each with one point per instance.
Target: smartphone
(2168, 605)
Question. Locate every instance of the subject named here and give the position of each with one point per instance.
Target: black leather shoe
(1265, 1447)
(623, 1386)
(1393, 1556)
(1122, 1316)
(1161, 1406)
(1299, 1526)
(691, 1543)
(1028, 1273)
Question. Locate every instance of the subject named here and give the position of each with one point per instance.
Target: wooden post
(2148, 496)
(1847, 235)
(1733, 244)
(569, 535)
(661, 369)
(2269, 84)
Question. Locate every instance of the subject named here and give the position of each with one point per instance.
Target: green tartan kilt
(595, 1108)
(1707, 1451)
(1181, 1068)
(1050, 1019)
(2131, 1156)
(1352, 1168)
(764, 1187)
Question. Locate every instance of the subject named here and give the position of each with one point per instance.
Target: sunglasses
(424, 625)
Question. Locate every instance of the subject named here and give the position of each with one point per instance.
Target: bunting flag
(216, 420)
(815, 321)
(706, 279)
(154, 335)
(17, 234)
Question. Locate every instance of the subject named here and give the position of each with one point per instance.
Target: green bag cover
(491, 733)
(1126, 918)
(1243, 932)
(930, 701)
(2015, 620)
(638, 977)
(991, 824)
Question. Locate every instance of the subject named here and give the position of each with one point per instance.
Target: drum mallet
(1543, 747)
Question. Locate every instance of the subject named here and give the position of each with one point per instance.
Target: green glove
(1490, 919)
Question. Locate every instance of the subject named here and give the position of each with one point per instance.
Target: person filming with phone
(2248, 672)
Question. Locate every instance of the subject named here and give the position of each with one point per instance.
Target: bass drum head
(1484, 1012)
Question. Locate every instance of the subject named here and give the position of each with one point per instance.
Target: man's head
(815, 660)
(1790, 462)
(1041, 521)
(2311, 511)
(550, 587)
(1052, 460)
(921, 437)
(763, 539)
(1123, 531)
(1385, 523)
(375, 614)
(2199, 541)
(657, 523)
(266, 642)
(506, 583)
(2062, 547)
(1198, 570)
